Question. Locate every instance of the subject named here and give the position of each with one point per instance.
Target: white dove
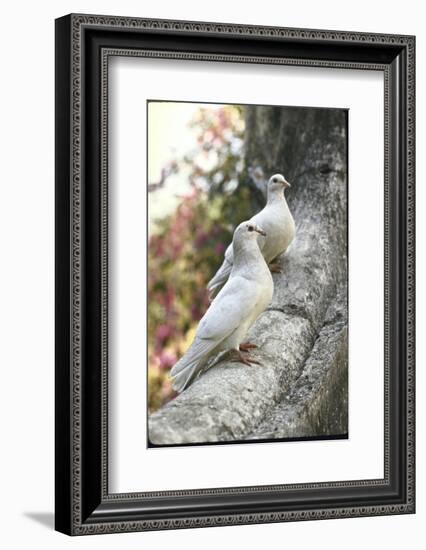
(243, 298)
(277, 222)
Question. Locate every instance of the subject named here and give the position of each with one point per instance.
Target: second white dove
(278, 223)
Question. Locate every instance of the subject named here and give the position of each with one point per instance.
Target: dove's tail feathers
(222, 274)
(184, 379)
(191, 364)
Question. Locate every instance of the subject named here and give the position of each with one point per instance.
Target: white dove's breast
(262, 297)
(280, 230)
(259, 300)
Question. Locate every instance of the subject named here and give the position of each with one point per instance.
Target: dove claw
(275, 268)
(240, 358)
(247, 346)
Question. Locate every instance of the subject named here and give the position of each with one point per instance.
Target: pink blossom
(200, 239)
(219, 248)
(167, 360)
(162, 332)
(185, 211)
(154, 363)
(169, 299)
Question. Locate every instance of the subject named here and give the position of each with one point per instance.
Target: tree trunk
(300, 388)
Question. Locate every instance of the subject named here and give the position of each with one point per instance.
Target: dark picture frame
(83, 46)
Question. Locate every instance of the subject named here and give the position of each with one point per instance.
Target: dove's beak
(259, 230)
(286, 184)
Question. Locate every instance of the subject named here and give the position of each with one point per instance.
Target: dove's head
(248, 231)
(245, 241)
(277, 182)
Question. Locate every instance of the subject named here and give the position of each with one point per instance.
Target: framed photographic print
(234, 274)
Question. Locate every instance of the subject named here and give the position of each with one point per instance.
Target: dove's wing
(222, 274)
(224, 316)
(227, 311)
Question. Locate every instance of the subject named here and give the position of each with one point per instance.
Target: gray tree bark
(300, 388)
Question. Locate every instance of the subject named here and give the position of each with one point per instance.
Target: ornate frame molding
(87, 507)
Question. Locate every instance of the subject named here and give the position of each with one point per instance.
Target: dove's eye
(250, 228)
(274, 180)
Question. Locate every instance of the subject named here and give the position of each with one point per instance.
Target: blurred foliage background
(198, 198)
